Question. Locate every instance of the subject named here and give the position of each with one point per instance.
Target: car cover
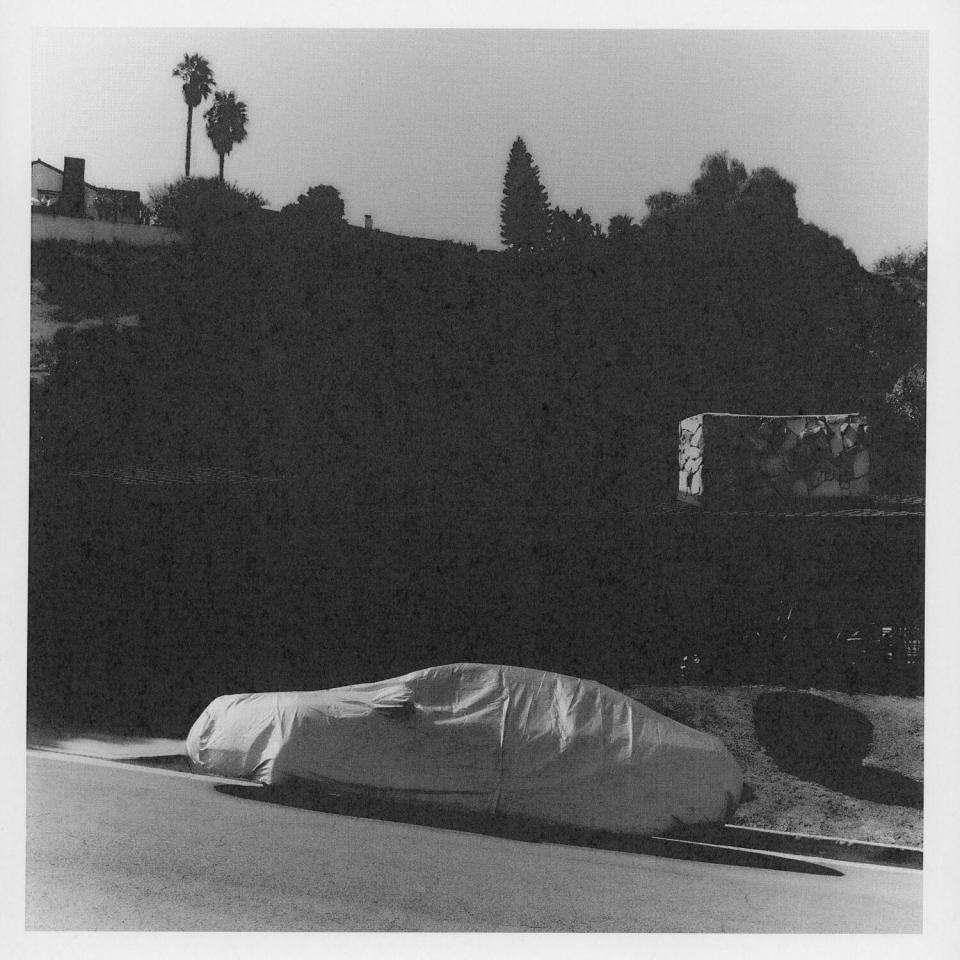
(493, 739)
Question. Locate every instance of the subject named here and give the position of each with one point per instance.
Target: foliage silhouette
(909, 263)
(621, 228)
(767, 196)
(203, 207)
(576, 228)
(897, 339)
(720, 177)
(908, 397)
(455, 454)
(320, 208)
(662, 202)
(226, 124)
(525, 207)
(198, 83)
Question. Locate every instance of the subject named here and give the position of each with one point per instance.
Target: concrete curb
(810, 845)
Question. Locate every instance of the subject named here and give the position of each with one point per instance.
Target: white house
(82, 199)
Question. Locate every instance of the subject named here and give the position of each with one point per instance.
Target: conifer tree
(525, 208)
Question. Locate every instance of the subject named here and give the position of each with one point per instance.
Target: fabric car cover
(495, 739)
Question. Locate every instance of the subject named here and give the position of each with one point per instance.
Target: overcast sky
(414, 126)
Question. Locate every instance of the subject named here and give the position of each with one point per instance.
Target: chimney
(72, 198)
(368, 223)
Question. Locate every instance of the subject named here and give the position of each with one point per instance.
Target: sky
(414, 126)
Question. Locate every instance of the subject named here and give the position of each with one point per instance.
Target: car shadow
(683, 845)
(818, 740)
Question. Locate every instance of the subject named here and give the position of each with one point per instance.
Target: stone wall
(730, 458)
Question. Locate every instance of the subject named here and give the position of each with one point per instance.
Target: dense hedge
(465, 441)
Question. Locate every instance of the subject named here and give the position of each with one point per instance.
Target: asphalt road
(120, 847)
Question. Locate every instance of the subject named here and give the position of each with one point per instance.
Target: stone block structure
(731, 459)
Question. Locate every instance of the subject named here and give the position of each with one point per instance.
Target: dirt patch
(818, 762)
(46, 318)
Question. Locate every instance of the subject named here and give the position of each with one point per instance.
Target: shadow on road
(815, 739)
(697, 847)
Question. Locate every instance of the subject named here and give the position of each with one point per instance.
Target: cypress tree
(525, 208)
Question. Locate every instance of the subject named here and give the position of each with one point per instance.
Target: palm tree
(198, 82)
(226, 124)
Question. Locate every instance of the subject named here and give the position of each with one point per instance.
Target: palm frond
(198, 79)
(226, 121)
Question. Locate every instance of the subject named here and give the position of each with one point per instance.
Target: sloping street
(121, 847)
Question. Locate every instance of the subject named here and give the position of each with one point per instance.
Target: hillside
(327, 457)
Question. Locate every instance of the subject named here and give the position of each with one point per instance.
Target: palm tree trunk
(222, 155)
(186, 169)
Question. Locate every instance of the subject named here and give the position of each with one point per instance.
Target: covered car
(491, 739)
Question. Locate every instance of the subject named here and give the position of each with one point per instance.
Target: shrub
(202, 206)
(320, 206)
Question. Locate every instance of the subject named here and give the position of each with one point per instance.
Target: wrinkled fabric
(492, 739)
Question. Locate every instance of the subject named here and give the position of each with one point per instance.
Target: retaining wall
(731, 457)
(51, 227)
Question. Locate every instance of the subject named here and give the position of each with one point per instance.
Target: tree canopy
(573, 228)
(525, 207)
(202, 205)
(719, 177)
(908, 263)
(621, 227)
(198, 82)
(662, 202)
(226, 124)
(321, 205)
